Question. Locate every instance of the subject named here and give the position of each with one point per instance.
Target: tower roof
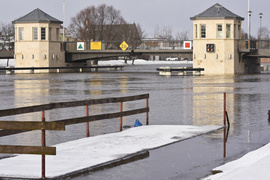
(217, 11)
(37, 16)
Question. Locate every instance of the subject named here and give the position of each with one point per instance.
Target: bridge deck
(80, 69)
(167, 71)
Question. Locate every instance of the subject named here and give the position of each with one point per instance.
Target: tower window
(43, 33)
(219, 31)
(21, 33)
(196, 31)
(228, 31)
(203, 31)
(35, 33)
(50, 33)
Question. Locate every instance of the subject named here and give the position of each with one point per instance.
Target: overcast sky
(148, 13)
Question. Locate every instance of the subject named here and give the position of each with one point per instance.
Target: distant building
(155, 43)
(37, 41)
(216, 36)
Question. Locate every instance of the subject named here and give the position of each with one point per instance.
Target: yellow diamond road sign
(124, 46)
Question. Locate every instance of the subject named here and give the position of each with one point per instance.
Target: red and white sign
(187, 45)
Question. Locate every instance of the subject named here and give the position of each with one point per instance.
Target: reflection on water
(208, 100)
(175, 100)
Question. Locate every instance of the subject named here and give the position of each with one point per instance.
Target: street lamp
(261, 14)
(249, 24)
(63, 20)
(249, 14)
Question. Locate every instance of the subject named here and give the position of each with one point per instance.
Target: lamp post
(261, 14)
(63, 20)
(249, 15)
(260, 38)
(249, 24)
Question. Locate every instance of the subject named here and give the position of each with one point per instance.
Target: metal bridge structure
(112, 50)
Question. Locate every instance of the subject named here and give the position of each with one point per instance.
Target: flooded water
(175, 100)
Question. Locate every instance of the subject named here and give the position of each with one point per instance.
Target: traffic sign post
(123, 45)
(187, 45)
(80, 45)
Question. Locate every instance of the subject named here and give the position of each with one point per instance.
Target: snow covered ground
(254, 165)
(141, 62)
(3, 62)
(76, 155)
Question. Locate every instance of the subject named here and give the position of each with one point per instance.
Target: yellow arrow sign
(123, 45)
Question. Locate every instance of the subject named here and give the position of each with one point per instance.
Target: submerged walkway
(84, 154)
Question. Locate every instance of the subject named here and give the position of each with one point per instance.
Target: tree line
(7, 34)
(105, 23)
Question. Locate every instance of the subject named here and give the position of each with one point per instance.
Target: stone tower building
(37, 41)
(216, 37)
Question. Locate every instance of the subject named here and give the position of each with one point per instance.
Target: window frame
(50, 33)
(228, 32)
(34, 33)
(57, 34)
(21, 33)
(203, 31)
(219, 31)
(43, 33)
(196, 31)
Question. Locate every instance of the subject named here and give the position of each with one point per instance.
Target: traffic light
(210, 47)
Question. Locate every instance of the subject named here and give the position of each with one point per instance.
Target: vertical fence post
(224, 135)
(121, 117)
(147, 115)
(43, 144)
(87, 123)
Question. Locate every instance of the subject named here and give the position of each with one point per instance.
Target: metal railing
(254, 44)
(132, 45)
(15, 127)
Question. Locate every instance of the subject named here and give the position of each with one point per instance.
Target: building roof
(37, 16)
(216, 12)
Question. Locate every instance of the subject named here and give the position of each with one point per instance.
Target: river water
(174, 100)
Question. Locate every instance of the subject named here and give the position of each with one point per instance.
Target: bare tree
(263, 33)
(6, 36)
(181, 37)
(163, 33)
(141, 32)
(244, 35)
(264, 37)
(97, 23)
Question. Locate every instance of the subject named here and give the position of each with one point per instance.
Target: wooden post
(43, 144)
(87, 123)
(224, 134)
(147, 115)
(121, 118)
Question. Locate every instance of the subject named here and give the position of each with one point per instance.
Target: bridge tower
(216, 36)
(37, 41)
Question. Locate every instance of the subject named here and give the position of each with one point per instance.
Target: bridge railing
(115, 45)
(254, 44)
(10, 127)
(264, 44)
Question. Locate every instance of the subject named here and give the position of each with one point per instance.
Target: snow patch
(76, 155)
